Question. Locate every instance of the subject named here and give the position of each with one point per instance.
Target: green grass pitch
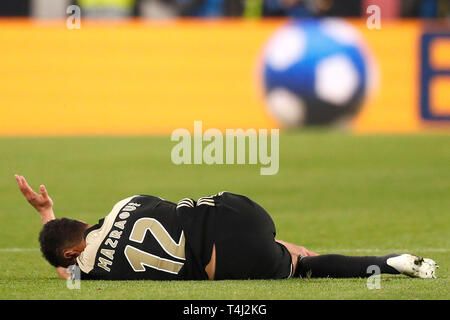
(334, 193)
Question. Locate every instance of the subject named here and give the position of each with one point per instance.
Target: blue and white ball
(315, 72)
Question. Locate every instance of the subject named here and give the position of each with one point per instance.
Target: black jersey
(148, 238)
(141, 238)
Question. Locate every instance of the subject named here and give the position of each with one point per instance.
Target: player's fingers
(27, 186)
(43, 191)
(19, 180)
(19, 183)
(26, 189)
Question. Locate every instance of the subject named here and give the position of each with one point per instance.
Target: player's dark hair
(57, 235)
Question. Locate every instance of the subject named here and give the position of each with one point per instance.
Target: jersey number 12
(138, 259)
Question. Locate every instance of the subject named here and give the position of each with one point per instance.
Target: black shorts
(244, 237)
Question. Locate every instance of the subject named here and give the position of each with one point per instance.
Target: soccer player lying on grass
(225, 236)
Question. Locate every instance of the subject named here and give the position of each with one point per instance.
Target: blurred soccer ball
(315, 72)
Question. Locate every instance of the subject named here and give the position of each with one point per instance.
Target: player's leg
(340, 266)
(309, 264)
(245, 243)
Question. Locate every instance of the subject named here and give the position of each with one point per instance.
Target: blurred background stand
(56, 9)
(157, 9)
(109, 9)
(162, 9)
(389, 9)
(49, 9)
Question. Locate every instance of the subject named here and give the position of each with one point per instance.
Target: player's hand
(41, 202)
(307, 253)
(297, 250)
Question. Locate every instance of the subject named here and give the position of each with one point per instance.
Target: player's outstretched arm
(41, 202)
(43, 205)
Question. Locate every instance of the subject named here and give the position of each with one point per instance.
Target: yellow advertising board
(138, 78)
